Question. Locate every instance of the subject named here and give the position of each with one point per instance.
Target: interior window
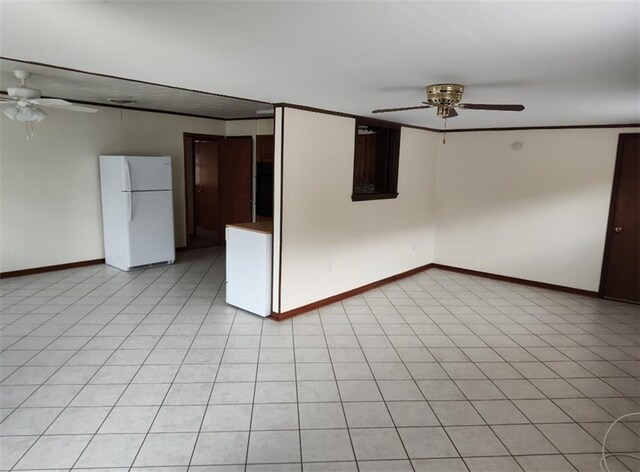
(375, 173)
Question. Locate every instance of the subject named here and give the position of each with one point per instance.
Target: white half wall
(50, 209)
(330, 244)
(538, 214)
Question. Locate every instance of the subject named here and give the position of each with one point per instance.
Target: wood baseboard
(515, 280)
(356, 291)
(52, 268)
(348, 294)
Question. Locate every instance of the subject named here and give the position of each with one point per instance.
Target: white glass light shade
(26, 114)
(40, 115)
(11, 111)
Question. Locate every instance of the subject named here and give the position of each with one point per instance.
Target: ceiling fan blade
(385, 110)
(50, 102)
(480, 106)
(74, 108)
(452, 113)
(6, 99)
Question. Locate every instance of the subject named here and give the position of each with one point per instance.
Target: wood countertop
(265, 227)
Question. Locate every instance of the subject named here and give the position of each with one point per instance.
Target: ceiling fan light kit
(24, 104)
(24, 113)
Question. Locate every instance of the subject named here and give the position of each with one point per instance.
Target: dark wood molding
(612, 210)
(348, 115)
(515, 280)
(51, 268)
(524, 128)
(363, 197)
(461, 130)
(348, 294)
(281, 213)
(356, 291)
(68, 265)
(257, 117)
(42, 64)
(203, 137)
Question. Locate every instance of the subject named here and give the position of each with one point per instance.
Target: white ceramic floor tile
(173, 378)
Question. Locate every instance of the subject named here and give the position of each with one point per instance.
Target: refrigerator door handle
(130, 205)
(127, 174)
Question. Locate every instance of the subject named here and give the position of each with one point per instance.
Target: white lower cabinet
(249, 267)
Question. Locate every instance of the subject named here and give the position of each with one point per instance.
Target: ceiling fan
(445, 98)
(25, 102)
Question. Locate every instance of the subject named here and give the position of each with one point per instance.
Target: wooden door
(621, 268)
(207, 197)
(264, 148)
(235, 181)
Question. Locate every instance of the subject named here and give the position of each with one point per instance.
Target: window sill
(372, 196)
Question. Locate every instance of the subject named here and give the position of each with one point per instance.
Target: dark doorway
(621, 265)
(218, 186)
(264, 177)
(207, 194)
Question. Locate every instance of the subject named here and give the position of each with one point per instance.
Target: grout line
(205, 273)
(344, 413)
(215, 380)
(255, 389)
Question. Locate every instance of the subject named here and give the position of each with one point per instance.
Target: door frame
(189, 156)
(622, 137)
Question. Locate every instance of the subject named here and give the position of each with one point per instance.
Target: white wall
(49, 185)
(329, 243)
(538, 214)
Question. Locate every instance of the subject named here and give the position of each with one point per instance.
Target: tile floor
(151, 370)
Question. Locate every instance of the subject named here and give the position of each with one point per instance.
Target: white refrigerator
(137, 211)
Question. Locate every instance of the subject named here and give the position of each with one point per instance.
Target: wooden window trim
(361, 197)
(393, 162)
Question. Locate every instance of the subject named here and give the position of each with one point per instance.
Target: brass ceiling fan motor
(444, 97)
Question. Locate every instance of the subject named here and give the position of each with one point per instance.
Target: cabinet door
(264, 148)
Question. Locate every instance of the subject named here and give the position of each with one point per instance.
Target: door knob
(618, 229)
(200, 190)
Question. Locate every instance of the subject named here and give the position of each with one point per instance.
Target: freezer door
(150, 228)
(146, 173)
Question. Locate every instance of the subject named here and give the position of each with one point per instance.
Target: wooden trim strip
(516, 280)
(281, 209)
(409, 273)
(348, 115)
(348, 294)
(52, 268)
(128, 80)
(461, 130)
(68, 265)
(522, 128)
